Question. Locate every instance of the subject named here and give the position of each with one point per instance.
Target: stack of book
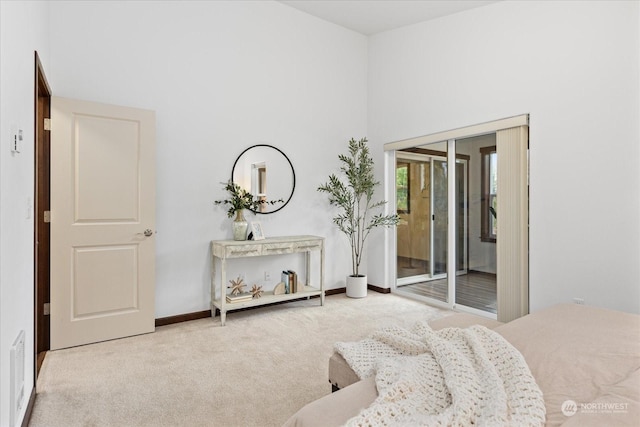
(290, 280)
(245, 296)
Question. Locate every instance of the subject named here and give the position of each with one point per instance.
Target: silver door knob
(148, 232)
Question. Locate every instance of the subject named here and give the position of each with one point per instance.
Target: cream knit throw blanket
(451, 377)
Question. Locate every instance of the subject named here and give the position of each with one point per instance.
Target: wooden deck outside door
(102, 222)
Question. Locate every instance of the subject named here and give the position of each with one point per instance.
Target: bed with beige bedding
(585, 361)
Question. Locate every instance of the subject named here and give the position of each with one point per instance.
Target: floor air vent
(17, 377)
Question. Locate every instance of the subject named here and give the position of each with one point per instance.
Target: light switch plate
(16, 141)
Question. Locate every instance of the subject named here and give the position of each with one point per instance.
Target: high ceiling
(374, 16)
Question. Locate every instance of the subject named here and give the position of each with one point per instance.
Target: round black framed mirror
(267, 173)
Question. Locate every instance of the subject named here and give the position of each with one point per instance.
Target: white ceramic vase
(357, 286)
(239, 226)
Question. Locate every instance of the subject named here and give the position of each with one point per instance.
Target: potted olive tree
(353, 195)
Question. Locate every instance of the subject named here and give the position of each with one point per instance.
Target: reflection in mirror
(267, 173)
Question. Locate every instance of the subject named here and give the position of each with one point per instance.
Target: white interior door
(102, 202)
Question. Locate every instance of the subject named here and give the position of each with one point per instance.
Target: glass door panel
(422, 203)
(476, 276)
(439, 217)
(413, 231)
(462, 201)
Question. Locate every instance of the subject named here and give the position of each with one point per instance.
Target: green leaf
(240, 199)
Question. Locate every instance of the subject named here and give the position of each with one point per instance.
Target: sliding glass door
(422, 195)
(423, 239)
(463, 236)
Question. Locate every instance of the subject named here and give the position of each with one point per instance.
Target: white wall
(23, 30)
(574, 67)
(221, 76)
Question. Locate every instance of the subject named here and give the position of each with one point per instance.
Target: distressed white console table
(229, 249)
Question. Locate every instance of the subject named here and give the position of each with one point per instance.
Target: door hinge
(47, 124)
(46, 310)
(47, 217)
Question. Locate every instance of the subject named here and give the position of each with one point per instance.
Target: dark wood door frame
(42, 203)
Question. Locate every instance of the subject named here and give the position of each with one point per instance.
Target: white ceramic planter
(356, 286)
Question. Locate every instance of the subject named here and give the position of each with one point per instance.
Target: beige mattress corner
(585, 355)
(577, 353)
(340, 373)
(337, 408)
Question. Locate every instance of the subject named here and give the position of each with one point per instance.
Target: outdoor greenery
(402, 187)
(354, 197)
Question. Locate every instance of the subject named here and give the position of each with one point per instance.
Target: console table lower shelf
(268, 298)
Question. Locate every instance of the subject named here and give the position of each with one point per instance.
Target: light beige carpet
(257, 370)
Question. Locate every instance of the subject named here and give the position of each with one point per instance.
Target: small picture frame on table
(256, 231)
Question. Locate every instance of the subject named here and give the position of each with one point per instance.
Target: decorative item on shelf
(293, 281)
(284, 277)
(279, 289)
(239, 200)
(239, 226)
(256, 291)
(243, 297)
(256, 231)
(289, 279)
(237, 286)
(354, 198)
